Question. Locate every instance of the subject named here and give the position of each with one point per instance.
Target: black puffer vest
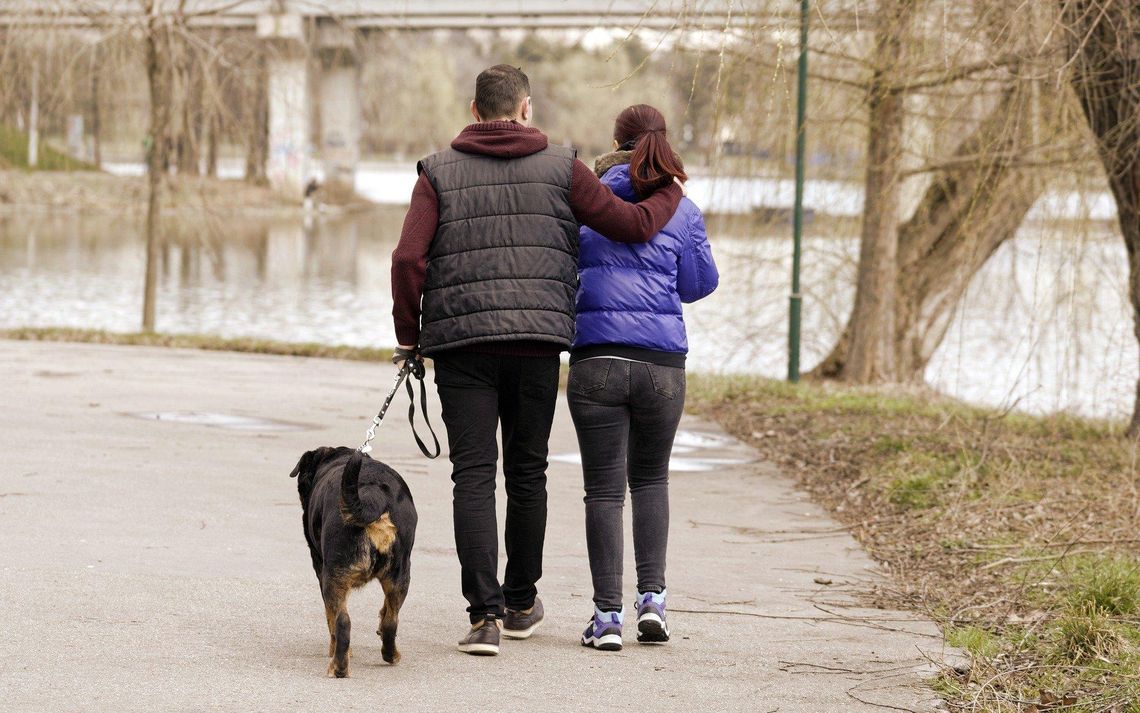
(503, 265)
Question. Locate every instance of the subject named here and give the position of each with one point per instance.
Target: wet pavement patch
(691, 440)
(686, 455)
(220, 420)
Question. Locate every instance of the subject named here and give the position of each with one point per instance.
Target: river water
(1046, 325)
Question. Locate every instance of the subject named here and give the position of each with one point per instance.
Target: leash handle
(418, 373)
(414, 366)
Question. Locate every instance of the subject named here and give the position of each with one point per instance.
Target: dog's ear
(308, 462)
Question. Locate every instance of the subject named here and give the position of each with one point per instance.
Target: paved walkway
(160, 566)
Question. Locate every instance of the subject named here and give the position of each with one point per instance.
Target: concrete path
(158, 565)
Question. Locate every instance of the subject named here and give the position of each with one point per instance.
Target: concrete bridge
(426, 14)
(314, 67)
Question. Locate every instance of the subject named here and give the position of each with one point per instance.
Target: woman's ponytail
(653, 164)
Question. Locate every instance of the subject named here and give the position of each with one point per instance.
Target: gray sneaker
(521, 624)
(483, 639)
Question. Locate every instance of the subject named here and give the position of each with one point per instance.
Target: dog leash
(415, 367)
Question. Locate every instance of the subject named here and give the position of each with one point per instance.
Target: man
(483, 281)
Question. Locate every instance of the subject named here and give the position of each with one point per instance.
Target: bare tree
(914, 271)
(871, 354)
(156, 39)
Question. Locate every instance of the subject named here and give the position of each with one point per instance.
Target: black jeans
(626, 414)
(477, 392)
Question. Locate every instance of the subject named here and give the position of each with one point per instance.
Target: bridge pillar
(289, 157)
(338, 109)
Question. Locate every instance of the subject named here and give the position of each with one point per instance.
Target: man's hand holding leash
(410, 362)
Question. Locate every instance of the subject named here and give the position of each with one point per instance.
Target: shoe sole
(522, 633)
(479, 649)
(651, 630)
(609, 642)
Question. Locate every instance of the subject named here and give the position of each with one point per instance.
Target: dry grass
(1018, 534)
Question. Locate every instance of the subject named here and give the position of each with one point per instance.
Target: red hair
(653, 164)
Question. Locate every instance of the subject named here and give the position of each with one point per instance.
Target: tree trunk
(870, 355)
(211, 113)
(185, 94)
(96, 115)
(213, 127)
(257, 129)
(34, 117)
(1105, 41)
(963, 218)
(157, 76)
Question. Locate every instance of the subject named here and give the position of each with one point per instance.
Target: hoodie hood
(613, 169)
(501, 139)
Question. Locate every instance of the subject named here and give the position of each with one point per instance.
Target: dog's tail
(351, 506)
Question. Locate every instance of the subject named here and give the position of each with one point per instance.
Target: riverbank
(205, 342)
(98, 192)
(1016, 533)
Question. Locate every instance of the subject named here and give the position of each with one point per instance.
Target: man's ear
(526, 111)
(475, 112)
(616, 145)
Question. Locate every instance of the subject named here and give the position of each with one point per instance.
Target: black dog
(360, 523)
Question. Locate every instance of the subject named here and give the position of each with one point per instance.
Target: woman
(627, 375)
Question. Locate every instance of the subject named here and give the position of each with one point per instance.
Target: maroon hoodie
(593, 204)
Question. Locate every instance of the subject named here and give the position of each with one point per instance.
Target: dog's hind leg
(336, 611)
(394, 594)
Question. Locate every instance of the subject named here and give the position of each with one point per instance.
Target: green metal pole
(798, 213)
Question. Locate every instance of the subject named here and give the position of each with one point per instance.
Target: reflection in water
(324, 282)
(1045, 326)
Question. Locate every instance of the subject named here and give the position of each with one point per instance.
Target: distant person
(627, 374)
(308, 203)
(483, 281)
(311, 188)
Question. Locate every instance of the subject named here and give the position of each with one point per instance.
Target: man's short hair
(499, 90)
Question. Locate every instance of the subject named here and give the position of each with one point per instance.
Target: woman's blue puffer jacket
(631, 294)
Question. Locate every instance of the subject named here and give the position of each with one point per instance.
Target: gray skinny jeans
(626, 414)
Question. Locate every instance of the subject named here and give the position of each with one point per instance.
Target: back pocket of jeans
(589, 376)
(668, 381)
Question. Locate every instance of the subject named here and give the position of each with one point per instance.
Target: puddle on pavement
(693, 439)
(220, 420)
(682, 459)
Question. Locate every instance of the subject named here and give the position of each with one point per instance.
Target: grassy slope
(1018, 534)
(14, 154)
